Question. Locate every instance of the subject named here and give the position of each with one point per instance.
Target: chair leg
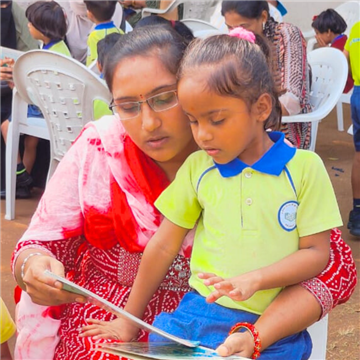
(12, 148)
(340, 118)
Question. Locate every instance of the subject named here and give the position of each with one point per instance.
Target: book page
(162, 351)
(119, 312)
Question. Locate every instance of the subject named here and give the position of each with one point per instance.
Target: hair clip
(314, 17)
(244, 34)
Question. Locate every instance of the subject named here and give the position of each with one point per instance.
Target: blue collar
(106, 25)
(272, 162)
(50, 44)
(337, 38)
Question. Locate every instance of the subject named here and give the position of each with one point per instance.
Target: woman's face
(234, 20)
(164, 136)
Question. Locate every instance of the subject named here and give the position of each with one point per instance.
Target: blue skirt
(194, 319)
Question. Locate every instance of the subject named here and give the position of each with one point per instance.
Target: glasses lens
(163, 101)
(127, 110)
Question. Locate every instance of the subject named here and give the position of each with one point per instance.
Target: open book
(176, 348)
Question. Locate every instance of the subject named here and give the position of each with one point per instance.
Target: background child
(263, 209)
(100, 13)
(352, 52)
(47, 24)
(8, 329)
(329, 27)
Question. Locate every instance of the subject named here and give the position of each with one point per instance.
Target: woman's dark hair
(48, 17)
(105, 45)
(238, 69)
(178, 26)
(247, 9)
(329, 20)
(102, 10)
(162, 41)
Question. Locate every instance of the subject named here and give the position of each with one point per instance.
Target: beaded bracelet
(25, 261)
(254, 333)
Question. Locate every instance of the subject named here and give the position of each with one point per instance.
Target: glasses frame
(113, 106)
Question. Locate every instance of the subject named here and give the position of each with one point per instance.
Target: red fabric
(118, 224)
(339, 44)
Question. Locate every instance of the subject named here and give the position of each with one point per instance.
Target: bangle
(254, 333)
(25, 261)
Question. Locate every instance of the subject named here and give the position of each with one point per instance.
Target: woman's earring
(263, 25)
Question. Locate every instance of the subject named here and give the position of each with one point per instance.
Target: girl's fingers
(206, 275)
(94, 321)
(89, 332)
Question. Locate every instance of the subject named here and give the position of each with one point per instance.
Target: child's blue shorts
(355, 116)
(194, 319)
(33, 111)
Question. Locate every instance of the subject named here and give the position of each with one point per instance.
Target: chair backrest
(350, 11)
(64, 90)
(201, 29)
(329, 73)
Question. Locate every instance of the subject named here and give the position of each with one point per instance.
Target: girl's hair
(247, 9)
(48, 17)
(162, 41)
(178, 26)
(238, 69)
(329, 20)
(105, 44)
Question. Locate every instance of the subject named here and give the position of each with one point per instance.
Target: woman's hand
(136, 4)
(6, 70)
(118, 329)
(241, 344)
(238, 288)
(42, 289)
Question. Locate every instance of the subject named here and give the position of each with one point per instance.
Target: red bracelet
(255, 334)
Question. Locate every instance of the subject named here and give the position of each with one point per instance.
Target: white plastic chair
(329, 74)
(201, 29)
(65, 91)
(350, 11)
(318, 333)
(198, 9)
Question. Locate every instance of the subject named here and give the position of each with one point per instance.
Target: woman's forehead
(141, 74)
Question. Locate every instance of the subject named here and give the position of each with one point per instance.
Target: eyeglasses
(160, 102)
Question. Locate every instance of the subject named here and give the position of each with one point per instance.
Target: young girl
(263, 209)
(329, 27)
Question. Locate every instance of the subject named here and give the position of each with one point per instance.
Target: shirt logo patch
(287, 215)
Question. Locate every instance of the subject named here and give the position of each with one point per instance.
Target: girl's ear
(263, 107)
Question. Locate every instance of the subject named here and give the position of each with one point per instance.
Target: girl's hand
(241, 344)
(320, 41)
(118, 329)
(238, 288)
(43, 289)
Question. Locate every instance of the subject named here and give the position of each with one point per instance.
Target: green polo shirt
(352, 46)
(99, 32)
(249, 217)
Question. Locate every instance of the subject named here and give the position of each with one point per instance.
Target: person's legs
(354, 217)
(31, 143)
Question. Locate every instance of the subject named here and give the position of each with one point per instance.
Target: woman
(288, 59)
(95, 226)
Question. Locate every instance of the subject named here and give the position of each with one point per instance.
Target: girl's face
(234, 20)
(225, 127)
(36, 34)
(164, 136)
(323, 38)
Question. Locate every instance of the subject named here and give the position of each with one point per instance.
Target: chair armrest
(316, 115)
(309, 34)
(148, 11)
(311, 44)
